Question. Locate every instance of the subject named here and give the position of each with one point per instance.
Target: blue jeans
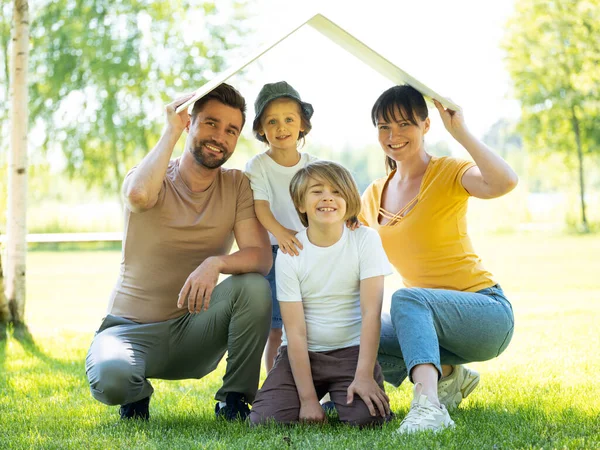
(276, 320)
(438, 326)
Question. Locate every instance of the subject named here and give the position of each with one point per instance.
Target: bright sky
(451, 46)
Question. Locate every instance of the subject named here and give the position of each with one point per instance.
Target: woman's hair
(332, 173)
(406, 101)
(305, 120)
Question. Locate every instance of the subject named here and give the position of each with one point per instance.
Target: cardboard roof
(345, 40)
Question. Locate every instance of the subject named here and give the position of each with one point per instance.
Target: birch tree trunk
(17, 166)
(4, 312)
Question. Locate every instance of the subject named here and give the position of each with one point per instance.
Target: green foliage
(553, 55)
(102, 70)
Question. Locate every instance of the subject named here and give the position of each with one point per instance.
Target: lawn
(541, 393)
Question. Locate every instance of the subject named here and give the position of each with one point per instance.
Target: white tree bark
(4, 312)
(17, 165)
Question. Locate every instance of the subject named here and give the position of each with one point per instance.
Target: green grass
(541, 393)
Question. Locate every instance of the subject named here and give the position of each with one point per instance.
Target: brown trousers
(332, 372)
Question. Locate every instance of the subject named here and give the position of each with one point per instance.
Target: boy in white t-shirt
(281, 121)
(330, 298)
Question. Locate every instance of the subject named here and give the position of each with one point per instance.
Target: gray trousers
(124, 354)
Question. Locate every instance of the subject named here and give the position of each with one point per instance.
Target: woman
(452, 311)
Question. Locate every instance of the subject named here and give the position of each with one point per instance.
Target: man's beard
(205, 160)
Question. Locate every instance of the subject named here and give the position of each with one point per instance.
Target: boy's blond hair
(337, 176)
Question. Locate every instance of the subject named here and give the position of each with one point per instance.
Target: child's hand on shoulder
(288, 243)
(353, 223)
(374, 397)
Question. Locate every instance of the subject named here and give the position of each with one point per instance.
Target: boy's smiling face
(281, 124)
(323, 204)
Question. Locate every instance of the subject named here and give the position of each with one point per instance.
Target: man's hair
(225, 94)
(332, 173)
(408, 101)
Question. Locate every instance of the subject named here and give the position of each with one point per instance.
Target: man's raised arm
(142, 186)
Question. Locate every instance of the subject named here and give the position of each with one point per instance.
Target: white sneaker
(457, 386)
(425, 416)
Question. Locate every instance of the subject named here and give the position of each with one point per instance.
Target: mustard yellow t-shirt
(429, 246)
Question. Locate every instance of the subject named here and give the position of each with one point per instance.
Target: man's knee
(254, 290)
(111, 381)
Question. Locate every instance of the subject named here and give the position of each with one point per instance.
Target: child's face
(323, 204)
(281, 124)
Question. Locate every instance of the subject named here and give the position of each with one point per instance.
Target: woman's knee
(404, 300)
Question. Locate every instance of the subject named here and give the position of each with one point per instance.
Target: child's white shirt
(327, 282)
(271, 182)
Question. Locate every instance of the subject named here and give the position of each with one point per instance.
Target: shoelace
(417, 412)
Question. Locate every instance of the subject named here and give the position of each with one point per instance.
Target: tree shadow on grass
(21, 334)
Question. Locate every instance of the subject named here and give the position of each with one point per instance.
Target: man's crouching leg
(250, 302)
(116, 372)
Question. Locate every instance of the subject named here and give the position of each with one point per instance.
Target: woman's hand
(454, 121)
(287, 241)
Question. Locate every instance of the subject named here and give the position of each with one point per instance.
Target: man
(167, 318)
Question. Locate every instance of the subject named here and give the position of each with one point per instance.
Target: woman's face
(401, 139)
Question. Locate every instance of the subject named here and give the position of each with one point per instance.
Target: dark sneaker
(236, 407)
(329, 407)
(136, 410)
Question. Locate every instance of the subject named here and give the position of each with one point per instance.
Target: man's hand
(288, 242)
(178, 121)
(199, 285)
(312, 412)
(374, 397)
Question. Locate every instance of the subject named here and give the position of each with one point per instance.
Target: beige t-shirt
(163, 245)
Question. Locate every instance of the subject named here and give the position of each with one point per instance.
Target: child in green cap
(282, 120)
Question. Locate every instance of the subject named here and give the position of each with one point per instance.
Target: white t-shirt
(327, 282)
(271, 182)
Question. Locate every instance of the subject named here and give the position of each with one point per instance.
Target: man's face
(213, 134)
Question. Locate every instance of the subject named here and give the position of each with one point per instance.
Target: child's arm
(286, 238)
(295, 329)
(371, 298)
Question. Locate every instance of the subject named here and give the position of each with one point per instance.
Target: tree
(4, 311)
(105, 69)
(503, 137)
(17, 173)
(553, 55)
